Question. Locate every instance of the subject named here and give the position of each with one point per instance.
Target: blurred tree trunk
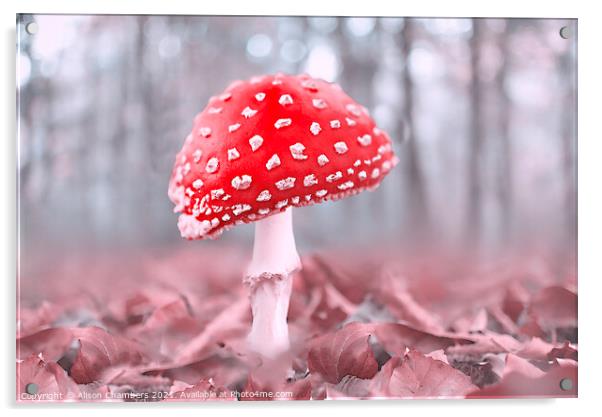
(85, 158)
(418, 213)
(358, 71)
(142, 143)
(475, 149)
(568, 133)
(24, 118)
(504, 172)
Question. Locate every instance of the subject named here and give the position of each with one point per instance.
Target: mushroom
(259, 149)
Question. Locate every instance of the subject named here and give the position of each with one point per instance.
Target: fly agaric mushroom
(259, 149)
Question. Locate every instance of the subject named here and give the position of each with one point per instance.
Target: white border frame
(589, 209)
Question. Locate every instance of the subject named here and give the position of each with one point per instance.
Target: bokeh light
(259, 46)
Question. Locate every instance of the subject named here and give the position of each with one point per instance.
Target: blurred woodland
(482, 111)
(112, 301)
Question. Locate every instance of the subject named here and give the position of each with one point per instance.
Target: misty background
(482, 113)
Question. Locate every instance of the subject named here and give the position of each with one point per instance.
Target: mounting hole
(565, 32)
(31, 388)
(566, 384)
(31, 28)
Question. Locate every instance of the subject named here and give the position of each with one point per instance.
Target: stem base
(270, 296)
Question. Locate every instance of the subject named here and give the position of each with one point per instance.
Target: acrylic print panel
(378, 208)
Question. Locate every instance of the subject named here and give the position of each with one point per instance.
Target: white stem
(274, 249)
(269, 277)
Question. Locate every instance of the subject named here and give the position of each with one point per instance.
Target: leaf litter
(361, 326)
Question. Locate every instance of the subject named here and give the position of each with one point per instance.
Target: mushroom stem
(269, 278)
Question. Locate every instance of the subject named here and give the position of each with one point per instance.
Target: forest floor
(171, 325)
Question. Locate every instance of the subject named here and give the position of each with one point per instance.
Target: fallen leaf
(473, 321)
(418, 376)
(400, 301)
(51, 382)
(555, 307)
(350, 387)
(396, 337)
(516, 364)
(515, 301)
(231, 321)
(566, 351)
(52, 343)
(98, 351)
(31, 320)
(344, 352)
(535, 349)
(489, 342)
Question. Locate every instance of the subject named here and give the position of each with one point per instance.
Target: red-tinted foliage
(361, 325)
(555, 307)
(49, 380)
(416, 375)
(396, 337)
(525, 381)
(98, 351)
(346, 352)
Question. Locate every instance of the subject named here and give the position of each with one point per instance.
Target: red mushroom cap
(272, 142)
